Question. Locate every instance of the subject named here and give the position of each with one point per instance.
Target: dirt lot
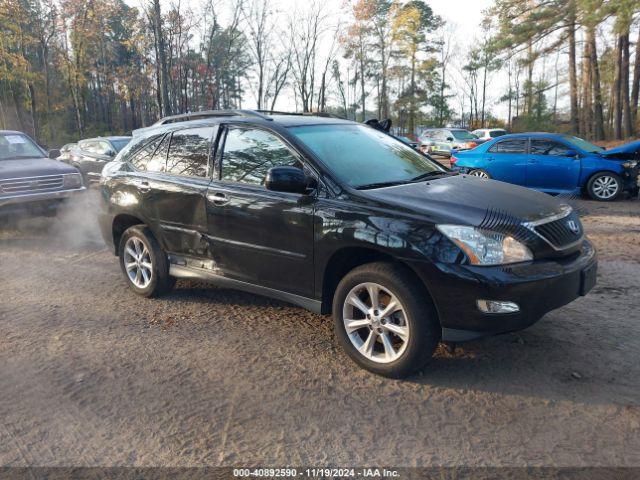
(92, 375)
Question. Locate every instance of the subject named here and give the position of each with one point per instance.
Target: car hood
(33, 167)
(632, 149)
(466, 200)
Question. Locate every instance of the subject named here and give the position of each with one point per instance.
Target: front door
(256, 235)
(549, 168)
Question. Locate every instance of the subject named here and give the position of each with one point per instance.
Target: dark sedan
(91, 155)
(29, 181)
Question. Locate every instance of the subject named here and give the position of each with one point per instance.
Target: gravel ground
(92, 375)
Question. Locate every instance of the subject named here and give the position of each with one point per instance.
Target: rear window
(463, 135)
(510, 146)
(120, 143)
(497, 133)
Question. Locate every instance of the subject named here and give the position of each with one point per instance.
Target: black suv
(339, 217)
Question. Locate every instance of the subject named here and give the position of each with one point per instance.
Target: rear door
(549, 168)
(178, 194)
(506, 160)
(257, 235)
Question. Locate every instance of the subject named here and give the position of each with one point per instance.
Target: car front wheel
(384, 321)
(479, 173)
(143, 263)
(604, 186)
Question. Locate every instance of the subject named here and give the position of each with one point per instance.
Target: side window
(548, 147)
(189, 152)
(518, 145)
(88, 146)
(143, 158)
(250, 153)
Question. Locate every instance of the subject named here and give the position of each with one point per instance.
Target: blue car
(555, 164)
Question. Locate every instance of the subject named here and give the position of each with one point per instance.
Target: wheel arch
(120, 224)
(346, 259)
(585, 185)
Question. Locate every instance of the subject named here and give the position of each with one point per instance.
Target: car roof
(12, 132)
(533, 135)
(114, 137)
(250, 117)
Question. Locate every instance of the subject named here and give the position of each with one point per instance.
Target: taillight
(453, 160)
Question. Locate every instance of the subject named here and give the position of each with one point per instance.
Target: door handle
(218, 198)
(489, 159)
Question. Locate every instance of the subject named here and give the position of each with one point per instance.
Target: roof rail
(209, 114)
(306, 114)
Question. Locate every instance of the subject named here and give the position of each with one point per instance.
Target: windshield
(583, 144)
(360, 155)
(120, 144)
(16, 145)
(463, 135)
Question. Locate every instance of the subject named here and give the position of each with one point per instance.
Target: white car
(489, 133)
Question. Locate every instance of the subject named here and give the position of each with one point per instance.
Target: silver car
(444, 141)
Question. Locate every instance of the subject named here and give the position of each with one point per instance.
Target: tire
(604, 186)
(373, 342)
(152, 263)
(478, 172)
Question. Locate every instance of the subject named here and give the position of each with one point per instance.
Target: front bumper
(537, 287)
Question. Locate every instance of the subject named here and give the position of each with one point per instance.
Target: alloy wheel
(479, 173)
(605, 187)
(138, 263)
(375, 322)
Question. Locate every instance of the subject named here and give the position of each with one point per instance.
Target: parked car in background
(554, 163)
(487, 134)
(91, 155)
(339, 217)
(30, 180)
(65, 152)
(444, 141)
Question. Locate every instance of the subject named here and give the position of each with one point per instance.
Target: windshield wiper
(382, 184)
(434, 173)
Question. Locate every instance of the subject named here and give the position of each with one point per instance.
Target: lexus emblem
(573, 226)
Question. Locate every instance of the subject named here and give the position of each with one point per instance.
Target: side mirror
(449, 139)
(286, 179)
(572, 153)
(54, 153)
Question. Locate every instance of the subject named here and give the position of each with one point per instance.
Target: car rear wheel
(144, 264)
(479, 173)
(384, 321)
(604, 186)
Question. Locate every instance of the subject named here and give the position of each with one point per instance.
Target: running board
(180, 271)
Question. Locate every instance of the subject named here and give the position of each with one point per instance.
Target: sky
(464, 15)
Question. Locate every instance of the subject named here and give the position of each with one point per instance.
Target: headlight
(486, 248)
(72, 180)
(630, 164)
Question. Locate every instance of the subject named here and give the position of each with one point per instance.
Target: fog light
(493, 306)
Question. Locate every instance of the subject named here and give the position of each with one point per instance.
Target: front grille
(561, 233)
(18, 186)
